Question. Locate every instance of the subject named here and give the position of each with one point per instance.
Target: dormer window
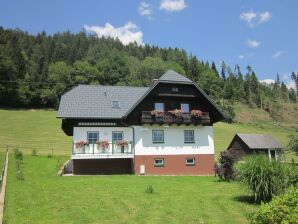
(175, 89)
(115, 104)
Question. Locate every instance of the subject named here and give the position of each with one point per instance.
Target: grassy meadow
(44, 197)
(41, 130)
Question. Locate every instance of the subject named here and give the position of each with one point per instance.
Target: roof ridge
(172, 75)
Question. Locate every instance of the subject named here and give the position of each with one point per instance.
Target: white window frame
(163, 136)
(193, 163)
(182, 108)
(92, 132)
(157, 109)
(117, 132)
(193, 135)
(162, 164)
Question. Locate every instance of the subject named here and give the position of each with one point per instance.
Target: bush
(226, 165)
(292, 174)
(261, 177)
(149, 189)
(18, 155)
(49, 155)
(19, 170)
(293, 143)
(282, 209)
(34, 152)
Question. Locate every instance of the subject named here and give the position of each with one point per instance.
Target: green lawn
(40, 130)
(44, 197)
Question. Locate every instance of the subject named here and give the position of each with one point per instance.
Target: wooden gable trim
(216, 108)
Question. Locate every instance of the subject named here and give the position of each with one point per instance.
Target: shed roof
(260, 141)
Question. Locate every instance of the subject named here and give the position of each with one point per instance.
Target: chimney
(154, 81)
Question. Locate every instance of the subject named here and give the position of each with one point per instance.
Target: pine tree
(223, 70)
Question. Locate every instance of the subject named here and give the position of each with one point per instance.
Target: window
(92, 137)
(175, 89)
(159, 106)
(157, 136)
(190, 161)
(117, 136)
(189, 136)
(158, 162)
(185, 107)
(115, 104)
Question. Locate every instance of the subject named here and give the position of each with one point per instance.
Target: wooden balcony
(168, 118)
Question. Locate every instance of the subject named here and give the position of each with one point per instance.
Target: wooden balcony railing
(168, 118)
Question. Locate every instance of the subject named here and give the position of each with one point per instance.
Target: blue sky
(263, 34)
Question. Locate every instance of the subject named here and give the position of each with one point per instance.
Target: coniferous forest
(36, 69)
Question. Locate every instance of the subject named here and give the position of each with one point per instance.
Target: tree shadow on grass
(245, 199)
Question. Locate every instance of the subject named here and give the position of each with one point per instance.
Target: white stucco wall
(174, 140)
(105, 133)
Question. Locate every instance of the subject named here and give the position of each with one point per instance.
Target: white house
(166, 128)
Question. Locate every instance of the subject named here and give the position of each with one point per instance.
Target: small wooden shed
(243, 144)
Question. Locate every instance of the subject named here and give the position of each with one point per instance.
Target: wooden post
(3, 188)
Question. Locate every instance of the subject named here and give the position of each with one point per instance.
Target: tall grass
(263, 178)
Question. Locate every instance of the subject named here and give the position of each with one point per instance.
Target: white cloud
(128, 33)
(249, 17)
(241, 56)
(287, 79)
(277, 54)
(253, 19)
(264, 17)
(145, 9)
(172, 5)
(286, 76)
(267, 81)
(292, 85)
(252, 43)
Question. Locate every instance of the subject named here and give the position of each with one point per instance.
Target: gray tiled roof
(95, 101)
(260, 141)
(171, 75)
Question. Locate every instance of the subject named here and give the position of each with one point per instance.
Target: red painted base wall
(175, 165)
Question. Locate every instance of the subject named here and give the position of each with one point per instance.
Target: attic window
(115, 104)
(175, 89)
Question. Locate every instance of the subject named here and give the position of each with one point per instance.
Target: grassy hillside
(40, 130)
(44, 197)
(287, 116)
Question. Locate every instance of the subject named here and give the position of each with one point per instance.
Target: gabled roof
(171, 75)
(260, 141)
(95, 101)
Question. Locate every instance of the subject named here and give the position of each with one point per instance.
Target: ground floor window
(159, 162)
(157, 136)
(92, 137)
(190, 161)
(189, 136)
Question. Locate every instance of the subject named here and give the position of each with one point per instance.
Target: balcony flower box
(103, 145)
(122, 143)
(176, 112)
(196, 116)
(157, 115)
(80, 146)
